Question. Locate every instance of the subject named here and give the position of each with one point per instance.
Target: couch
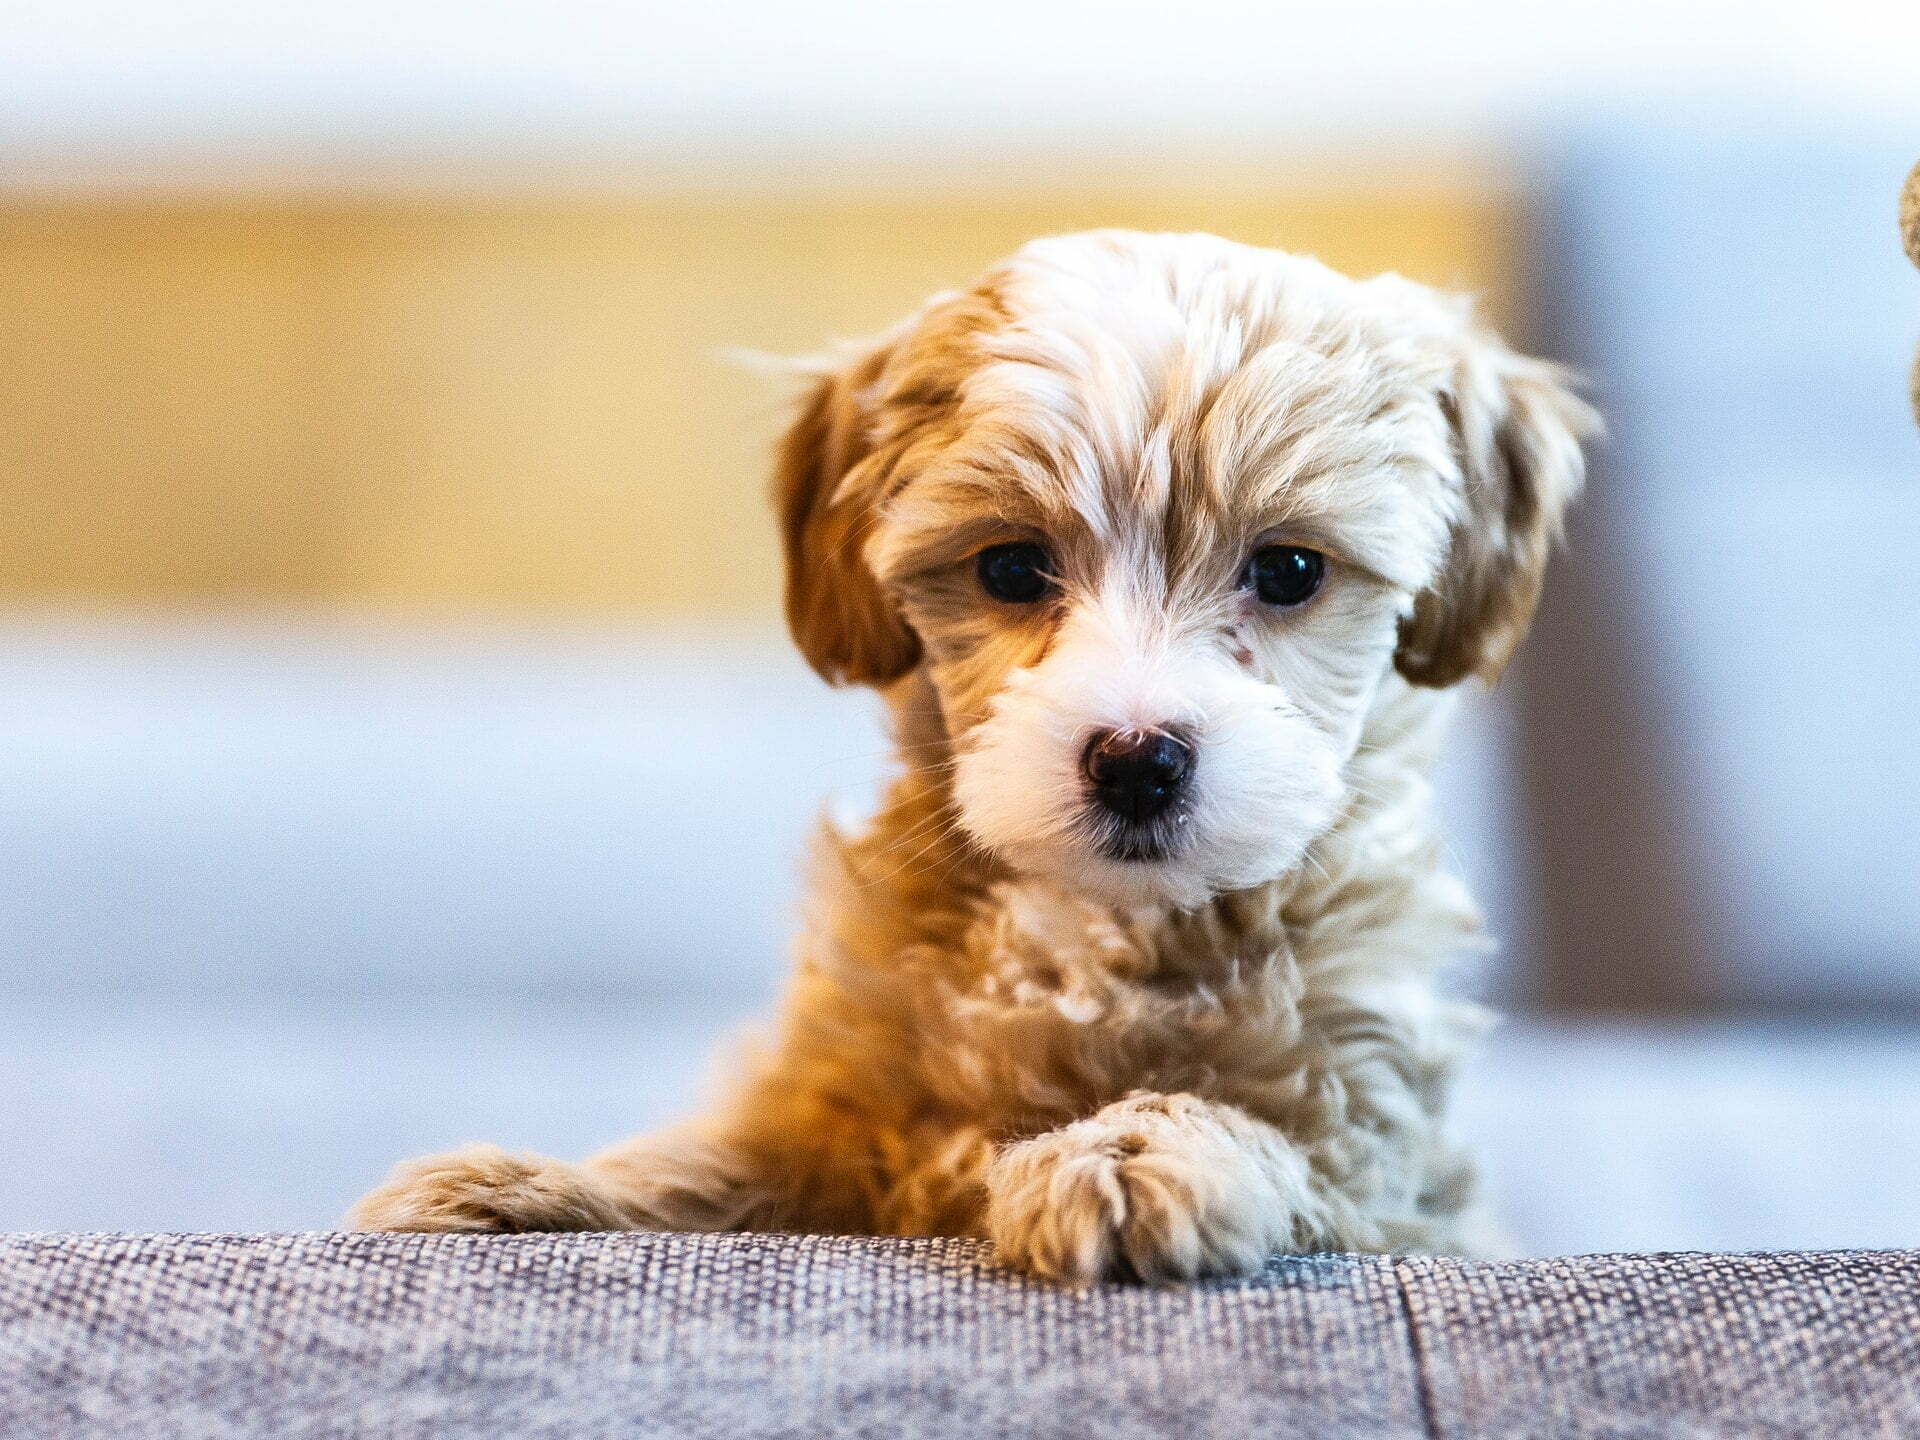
(248, 869)
(749, 1336)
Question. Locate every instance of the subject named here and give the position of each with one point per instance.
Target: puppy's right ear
(826, 494)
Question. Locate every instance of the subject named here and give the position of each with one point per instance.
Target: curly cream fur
(1162, 1068)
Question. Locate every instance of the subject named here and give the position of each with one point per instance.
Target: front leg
(683, 1178)
(483, 1189)
(1157, 1187)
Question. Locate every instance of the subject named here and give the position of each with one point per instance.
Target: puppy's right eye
(1016, 573)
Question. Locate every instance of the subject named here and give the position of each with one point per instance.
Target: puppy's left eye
(1285, 574)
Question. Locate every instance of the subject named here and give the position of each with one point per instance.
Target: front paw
(1153, 1187)
(484, 1190)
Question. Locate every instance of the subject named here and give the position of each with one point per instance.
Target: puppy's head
(1155, 517)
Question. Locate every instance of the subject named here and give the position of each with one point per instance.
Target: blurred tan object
(1910, 232)
(513, 402)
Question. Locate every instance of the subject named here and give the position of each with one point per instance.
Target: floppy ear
(847, 628)
(1517, 428)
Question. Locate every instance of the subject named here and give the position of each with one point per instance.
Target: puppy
(1165, 553)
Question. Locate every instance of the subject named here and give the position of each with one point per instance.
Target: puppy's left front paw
(1156, 1187)
(484, 1190)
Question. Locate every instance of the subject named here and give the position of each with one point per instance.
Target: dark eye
(1285, 574)
(1016, 574)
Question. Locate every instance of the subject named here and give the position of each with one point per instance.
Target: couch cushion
(746, 1336)
(285, 803)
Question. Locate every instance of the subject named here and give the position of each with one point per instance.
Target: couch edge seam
(1417, 1352)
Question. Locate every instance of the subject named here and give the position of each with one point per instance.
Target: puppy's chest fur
(1097, 1004)
(1013, 1006)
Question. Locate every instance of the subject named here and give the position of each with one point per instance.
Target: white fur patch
(1266, 779)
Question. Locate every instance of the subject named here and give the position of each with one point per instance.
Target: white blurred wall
(94, 90)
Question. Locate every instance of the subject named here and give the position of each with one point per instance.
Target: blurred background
(397, 743)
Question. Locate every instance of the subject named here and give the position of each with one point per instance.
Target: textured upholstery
(750, 1336)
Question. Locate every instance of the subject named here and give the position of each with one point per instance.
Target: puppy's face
(1155, 518)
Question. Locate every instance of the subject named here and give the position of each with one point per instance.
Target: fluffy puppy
(1164, 553)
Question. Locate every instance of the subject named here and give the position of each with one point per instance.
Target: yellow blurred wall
(517, 402)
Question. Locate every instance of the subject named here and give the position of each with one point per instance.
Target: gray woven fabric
(761, 1336)
(1789, 1345)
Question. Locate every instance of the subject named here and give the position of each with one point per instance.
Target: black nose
(1137, 774)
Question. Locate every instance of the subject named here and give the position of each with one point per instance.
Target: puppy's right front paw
(484, 1190)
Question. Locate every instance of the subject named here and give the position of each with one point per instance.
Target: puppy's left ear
(1517, 428)
(826, 487)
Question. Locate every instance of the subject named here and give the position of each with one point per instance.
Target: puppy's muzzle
(1137, 775)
